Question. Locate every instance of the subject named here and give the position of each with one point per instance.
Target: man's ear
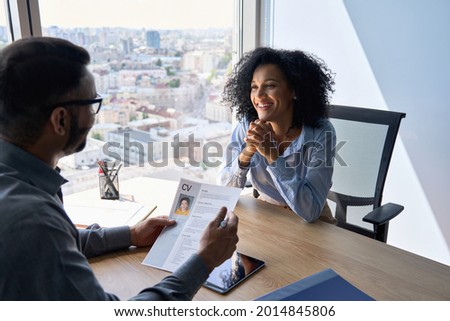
(59, 120)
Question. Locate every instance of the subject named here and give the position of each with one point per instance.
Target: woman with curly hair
(283, 137)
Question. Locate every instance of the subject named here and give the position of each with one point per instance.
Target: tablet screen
(232, 272)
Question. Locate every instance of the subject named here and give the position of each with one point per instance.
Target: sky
(155, 14)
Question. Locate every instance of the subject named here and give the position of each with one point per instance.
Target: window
(4, 39)
(161, 66)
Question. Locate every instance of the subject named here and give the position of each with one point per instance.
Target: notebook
(106, 213)
(326, 285)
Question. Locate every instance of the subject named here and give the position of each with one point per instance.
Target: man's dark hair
(34, 73)
(305, 73)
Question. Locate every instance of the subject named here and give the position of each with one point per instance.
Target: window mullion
(24, 18)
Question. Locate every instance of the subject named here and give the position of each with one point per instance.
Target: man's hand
(145, 233)
(218, 243)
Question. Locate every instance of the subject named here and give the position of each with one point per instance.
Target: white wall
(383, 58)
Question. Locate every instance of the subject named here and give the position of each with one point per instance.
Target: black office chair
(365, 141)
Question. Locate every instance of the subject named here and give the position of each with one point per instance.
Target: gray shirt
(44, 256)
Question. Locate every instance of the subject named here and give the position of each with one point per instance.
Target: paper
(106, 213)
(194, 206)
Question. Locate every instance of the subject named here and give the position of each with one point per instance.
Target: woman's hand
(261, 138)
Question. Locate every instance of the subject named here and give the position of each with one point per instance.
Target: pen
(147, 215)
(117, 172)
(109, 182)
(223, 224)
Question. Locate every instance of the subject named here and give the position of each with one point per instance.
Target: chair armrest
(383, 214)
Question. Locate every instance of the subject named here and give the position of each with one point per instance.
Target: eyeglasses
(95, 103)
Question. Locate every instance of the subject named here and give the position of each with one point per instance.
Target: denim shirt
(300, 178)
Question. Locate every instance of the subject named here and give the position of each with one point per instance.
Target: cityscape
(162, 114)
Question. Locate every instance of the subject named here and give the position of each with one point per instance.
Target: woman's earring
(295, 97)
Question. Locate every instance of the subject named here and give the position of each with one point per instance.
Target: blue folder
(326, 285)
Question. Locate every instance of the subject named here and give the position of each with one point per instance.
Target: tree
(169, 71)
(174, 83)
(97, 136)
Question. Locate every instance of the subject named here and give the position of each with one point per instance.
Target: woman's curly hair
(305, 73)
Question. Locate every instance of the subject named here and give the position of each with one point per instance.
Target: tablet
(232, 272)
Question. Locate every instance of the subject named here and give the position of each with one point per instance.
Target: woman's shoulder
(322, 129)
(243, 123)
(323, 124)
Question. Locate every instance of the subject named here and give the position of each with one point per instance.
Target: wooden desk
(292, 249)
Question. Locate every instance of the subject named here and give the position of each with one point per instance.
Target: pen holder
(109, 185)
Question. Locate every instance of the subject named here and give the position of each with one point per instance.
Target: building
(137, 147)
(215, 111)
(114, 114)
(100, 131)
(85, 159)
(153, 39)
(201, 61)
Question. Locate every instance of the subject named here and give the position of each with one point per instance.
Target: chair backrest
(365, 140)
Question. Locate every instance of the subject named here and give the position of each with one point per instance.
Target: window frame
(23, 19)
(253, 22)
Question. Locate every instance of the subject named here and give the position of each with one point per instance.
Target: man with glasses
(48, 104)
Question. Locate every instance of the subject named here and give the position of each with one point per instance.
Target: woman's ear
(59, 120)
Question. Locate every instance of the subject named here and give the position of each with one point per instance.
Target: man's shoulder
(24, 204)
